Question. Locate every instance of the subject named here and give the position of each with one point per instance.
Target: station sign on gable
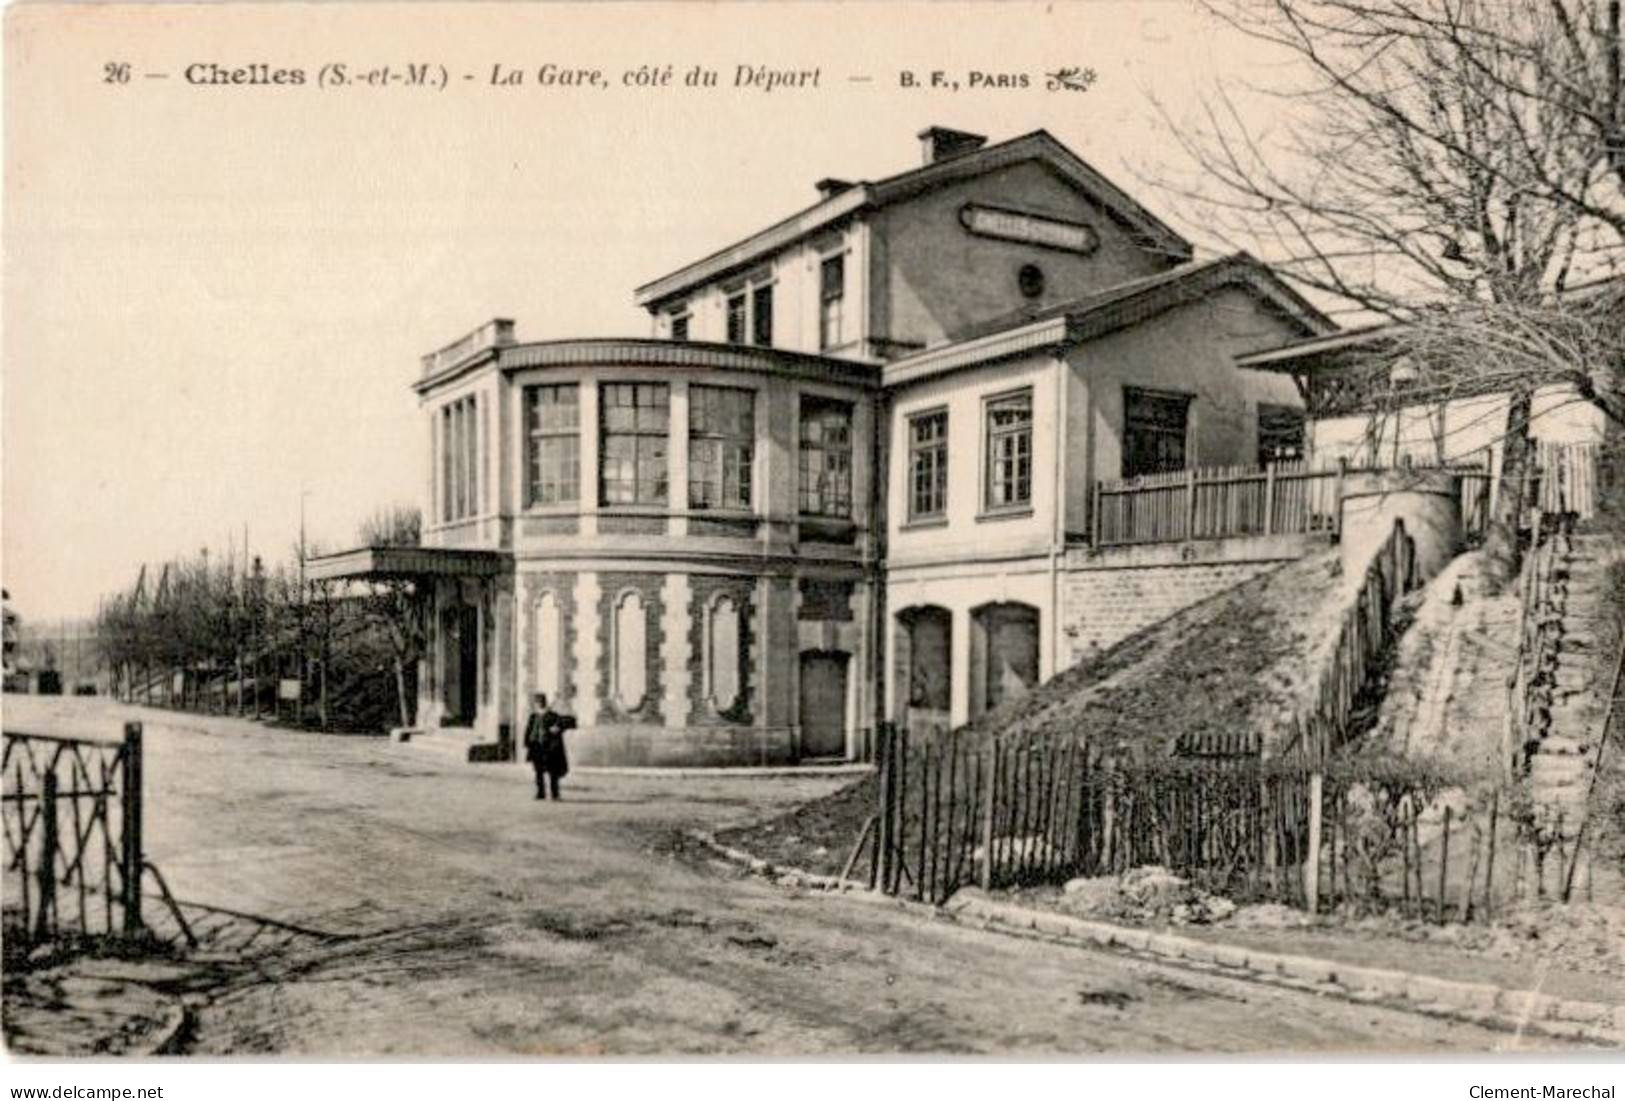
(1006, 224)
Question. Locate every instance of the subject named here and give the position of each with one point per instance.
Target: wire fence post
(132, 856)
(47, 860)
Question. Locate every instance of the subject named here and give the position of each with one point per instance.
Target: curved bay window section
(552, 445)
(634, 437)
(721, 447)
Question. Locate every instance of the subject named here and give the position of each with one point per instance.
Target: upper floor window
(679, 327)
(831, 293)
(1010, 451)
(1154, 423)
(928, 464)
(459, 459)
(552, 444)
(761, 316)
(636, 422)
(826, 457)
(721, 446)
(736, 318)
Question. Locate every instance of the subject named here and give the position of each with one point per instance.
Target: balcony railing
(1285, 498)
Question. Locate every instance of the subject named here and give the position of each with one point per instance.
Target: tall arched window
(631, 651)
(549, 646)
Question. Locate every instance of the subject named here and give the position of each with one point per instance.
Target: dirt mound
(1236, 662)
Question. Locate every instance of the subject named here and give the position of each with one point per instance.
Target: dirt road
(457, 916)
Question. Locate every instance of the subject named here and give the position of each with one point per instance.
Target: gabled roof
(1106, 311)
(1039, 145)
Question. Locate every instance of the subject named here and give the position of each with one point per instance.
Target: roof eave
(744, 253)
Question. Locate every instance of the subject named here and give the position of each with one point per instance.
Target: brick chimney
(938, 143)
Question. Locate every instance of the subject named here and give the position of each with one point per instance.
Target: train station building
(852, 473)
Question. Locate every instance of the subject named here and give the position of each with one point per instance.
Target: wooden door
(823, 704)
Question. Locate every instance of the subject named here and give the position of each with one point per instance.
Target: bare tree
(394, 604)
(1424, 150)
(1457, 166)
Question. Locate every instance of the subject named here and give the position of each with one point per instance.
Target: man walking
(544, 745)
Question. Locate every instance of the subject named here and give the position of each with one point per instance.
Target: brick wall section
(563, 588)
(610, 587)
(704, 590)
(1101, 607)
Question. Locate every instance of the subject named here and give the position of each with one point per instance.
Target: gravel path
(461, 917)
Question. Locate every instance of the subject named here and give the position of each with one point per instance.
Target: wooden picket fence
(1283, 498)
(956, 809)
(1363, 641)
(72, 823)
(1286, 498)
(1567, 478)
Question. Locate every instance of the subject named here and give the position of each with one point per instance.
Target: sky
(215, 296)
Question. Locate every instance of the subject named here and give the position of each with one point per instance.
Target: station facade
(842, 479)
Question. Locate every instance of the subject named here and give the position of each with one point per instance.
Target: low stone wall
(1108, 595)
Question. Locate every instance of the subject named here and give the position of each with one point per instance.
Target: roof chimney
(938, 143)
(829, 187)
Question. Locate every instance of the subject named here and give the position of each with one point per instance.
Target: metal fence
(72, 823)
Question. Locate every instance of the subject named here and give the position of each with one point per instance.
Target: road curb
(1478, 1003)
(1481, 1003)
(769, 772)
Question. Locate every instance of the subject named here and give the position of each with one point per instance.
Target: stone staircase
(1571, 689)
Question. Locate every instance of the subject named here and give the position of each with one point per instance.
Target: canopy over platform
(406, 564)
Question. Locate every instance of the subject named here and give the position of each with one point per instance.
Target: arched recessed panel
(722, 662)
(631, 651)
(1004, 666)
(549, 645)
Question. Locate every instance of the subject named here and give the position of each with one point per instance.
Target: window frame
(831, 304)
(744, 465)
(537, 436)
(462, 450)
(638, 435)
(990, 438)
(1129, 427)
(1276, 411)
(938, 448)
(739, 296)
(824, 405)
(682, 319)
(761, 321)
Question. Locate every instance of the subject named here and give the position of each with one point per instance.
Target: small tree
(394, 604)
